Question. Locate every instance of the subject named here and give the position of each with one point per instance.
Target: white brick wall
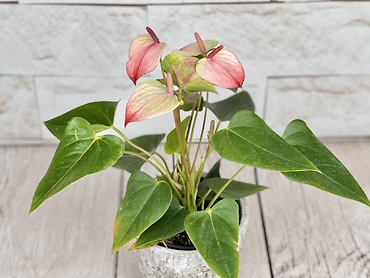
(302, 60)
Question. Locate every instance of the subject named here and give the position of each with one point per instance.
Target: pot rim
(241, 231)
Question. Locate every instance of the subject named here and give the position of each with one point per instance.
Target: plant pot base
(161, 262)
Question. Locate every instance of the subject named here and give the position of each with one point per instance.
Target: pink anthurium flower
(151, 98)
(184, 73)
(216, 65)
(221, 68)
(144, 54)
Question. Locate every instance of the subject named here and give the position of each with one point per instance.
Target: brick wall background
(308, 60)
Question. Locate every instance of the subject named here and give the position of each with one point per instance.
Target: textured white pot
(161, 262)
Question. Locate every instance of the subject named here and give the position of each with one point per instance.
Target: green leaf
(235, 190)
(249, 140)
(226, 109)
(172, 144)
(214, 233)
(145, 202)
(79, 153)
(334, 177)
(215, 171)
(132, 163)
(171, 223)
(99, 114)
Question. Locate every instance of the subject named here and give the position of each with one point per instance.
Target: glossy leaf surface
(79, 153)
(248, 140)
(172, 144)
(151, 98)
(334, 177)
(145, 202)
(227, 108)
(130, 162)
(99, 114)
(235, 190)
(214, 233)
(171, 223)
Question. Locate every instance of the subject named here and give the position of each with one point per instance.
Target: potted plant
(182, 204)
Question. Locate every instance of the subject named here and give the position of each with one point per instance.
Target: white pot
(161, 262)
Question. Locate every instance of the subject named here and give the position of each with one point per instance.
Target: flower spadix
(151, 98)
(144, 55)
(197, 48)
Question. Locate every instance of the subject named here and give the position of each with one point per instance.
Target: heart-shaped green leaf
(249, 140)
(132, 163)
(214, 232)
(80, 153)
(334, 177)
(99, 114)
(145, 202)
(226, 109)
(171, 223)
(172, 144)
(235, 190)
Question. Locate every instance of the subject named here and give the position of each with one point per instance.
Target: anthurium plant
(181, 198)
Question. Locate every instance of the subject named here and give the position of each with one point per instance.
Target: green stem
(185, 161)
(201, 132)
(192, 121)
(146, 160)
(218, 125)
(224, 187)
(164, 172)
(133, 144)
(163, 160)
(201, 202)
(188, 183)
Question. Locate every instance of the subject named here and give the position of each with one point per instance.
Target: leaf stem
(202, 130)
(202, 200)
(163, 160)
(214, 199)
(192, 121)
(146, 160)
(188, 182)
(164, 171)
